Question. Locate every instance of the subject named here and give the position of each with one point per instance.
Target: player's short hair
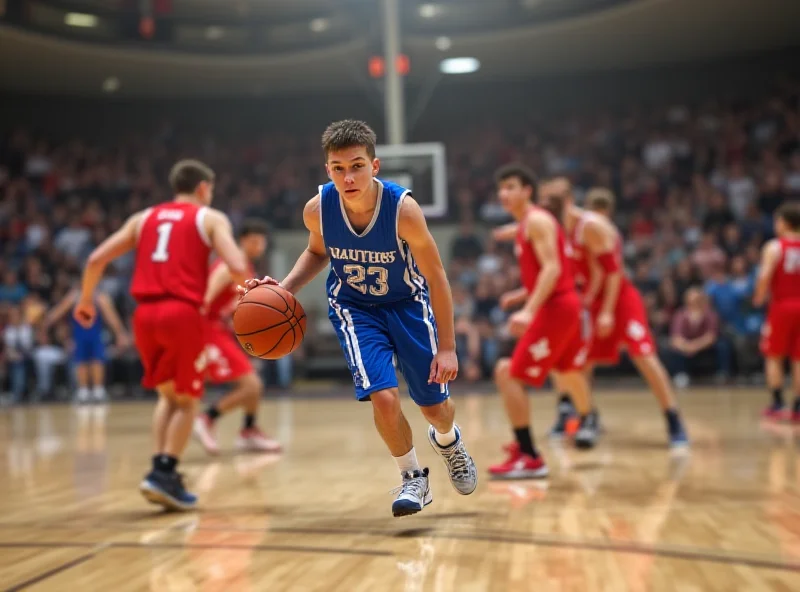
(516, 170)
(600, 199)
(348, 133)
(187, 174)
(789, 212)
(253, 226)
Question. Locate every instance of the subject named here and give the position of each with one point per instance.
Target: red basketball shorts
(555, 340)
(170, 336)
(227, 361)
(780, 335)
(631, 329)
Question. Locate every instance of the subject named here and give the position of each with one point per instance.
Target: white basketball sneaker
(254, 440)
(205, 432)
(463, 474)
(415, 493)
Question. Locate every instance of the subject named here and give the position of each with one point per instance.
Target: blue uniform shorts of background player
(378, 301)
(89, 345)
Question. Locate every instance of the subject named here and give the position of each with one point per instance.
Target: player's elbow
(96, 259)
(552, 268)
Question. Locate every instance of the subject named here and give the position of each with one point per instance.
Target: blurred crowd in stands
(696, 186)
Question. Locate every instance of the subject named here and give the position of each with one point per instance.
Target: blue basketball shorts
(371, 335)
(89, 348)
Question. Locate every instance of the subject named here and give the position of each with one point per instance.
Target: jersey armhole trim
(142, 221)
(400, 201)
(199, 219)
(321, 229)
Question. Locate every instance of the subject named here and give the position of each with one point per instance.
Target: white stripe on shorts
(353, 350)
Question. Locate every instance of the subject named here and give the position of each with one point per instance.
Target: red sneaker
(255, 440)
(795, 417)
(519, 466)
(776, 414)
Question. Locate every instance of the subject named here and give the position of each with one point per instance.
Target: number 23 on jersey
(375, 275)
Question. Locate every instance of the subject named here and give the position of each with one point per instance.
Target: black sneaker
(167, 489)
(586, 436)
(566, 411)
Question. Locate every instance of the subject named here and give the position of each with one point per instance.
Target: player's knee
(502, 369)
(252, 384)
(386, 402)
(184, 402)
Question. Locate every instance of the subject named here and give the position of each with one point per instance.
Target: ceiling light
(459, 66)
(443, 43)
(429, 10)
(214, 33)
(111, 84)
(318, 25)
(78, 19)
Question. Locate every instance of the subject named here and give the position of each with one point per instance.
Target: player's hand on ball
(85, 313)
(519, 322)
(444, 367)
(255, 282)
(605, 324)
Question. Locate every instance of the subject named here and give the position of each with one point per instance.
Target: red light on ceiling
(377, 66)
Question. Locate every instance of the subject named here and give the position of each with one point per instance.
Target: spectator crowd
(696, 187)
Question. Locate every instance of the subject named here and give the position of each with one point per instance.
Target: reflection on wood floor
(625, 516)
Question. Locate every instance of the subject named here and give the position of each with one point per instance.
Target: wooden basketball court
(625, 516)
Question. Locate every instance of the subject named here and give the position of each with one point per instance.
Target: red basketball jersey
(786, 279)
(226, 300)
(581, 258)
(172, 254)
(530, 266)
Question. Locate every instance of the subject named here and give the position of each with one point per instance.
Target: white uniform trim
(374, 215)
(199, 220)
(142, 220)
(353, 349)
(321, 232)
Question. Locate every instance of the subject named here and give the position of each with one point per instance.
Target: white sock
(445, 439)
(407, 462)
(99, 392)
(83, 393)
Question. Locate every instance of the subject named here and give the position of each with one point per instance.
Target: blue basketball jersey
(374, 266)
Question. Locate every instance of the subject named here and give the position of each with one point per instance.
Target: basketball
(269, 322)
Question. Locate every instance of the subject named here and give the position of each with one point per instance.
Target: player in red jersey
(173, 242)
(227, 361)
(551, 338)
(779, 276)
(618, 313)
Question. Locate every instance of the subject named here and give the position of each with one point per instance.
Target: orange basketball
(269, 322)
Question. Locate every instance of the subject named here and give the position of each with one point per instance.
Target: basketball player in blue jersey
(89, 355)
(388, 296)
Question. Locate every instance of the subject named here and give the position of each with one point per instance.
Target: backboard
(422, 169)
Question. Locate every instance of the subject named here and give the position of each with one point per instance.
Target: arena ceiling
(511, 38)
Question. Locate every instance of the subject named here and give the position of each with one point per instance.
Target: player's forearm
(308, 265)
(517, 297)
(505, 233)
(442, 304)
(611, 295)
(92, 274)
(546, 282)
(760, 294)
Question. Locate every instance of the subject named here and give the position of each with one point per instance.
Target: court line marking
(631, 547)
(587, 545)
(54, 571)
(97, 548)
